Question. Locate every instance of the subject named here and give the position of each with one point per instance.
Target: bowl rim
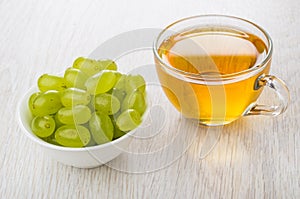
(36, 139)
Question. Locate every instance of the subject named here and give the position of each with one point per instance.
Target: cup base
(211, 123)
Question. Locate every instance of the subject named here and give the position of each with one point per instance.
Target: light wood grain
(256, 157)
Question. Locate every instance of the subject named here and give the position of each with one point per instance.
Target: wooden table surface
(256, 157)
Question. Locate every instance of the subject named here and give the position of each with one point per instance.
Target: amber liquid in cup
(217, 51)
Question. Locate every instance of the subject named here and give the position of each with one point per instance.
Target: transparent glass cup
(216, 98)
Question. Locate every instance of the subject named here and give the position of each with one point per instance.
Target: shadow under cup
(209, 87)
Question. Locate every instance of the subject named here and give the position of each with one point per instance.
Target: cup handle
(281, 90)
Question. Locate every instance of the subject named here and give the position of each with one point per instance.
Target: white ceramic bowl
(87, 157)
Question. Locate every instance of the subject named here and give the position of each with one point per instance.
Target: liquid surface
(213, 50)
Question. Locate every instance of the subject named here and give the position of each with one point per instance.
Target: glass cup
(207, 93)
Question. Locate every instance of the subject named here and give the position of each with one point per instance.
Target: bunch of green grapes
(91, 104)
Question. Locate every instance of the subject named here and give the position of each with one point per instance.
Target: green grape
(75, 78)
(91, 105)
(78, 114)
(31, 100)
(120, 94)
(50, 82)
(101, 82)
(106, 103)
(92, 67)
(43, 126)
(85, 65)
(74, 96)
(120, 83)
(134, 82)
(45, 103)
(51, 139)
(91, 142)
(117, 132)
(118, 75)
(128, 120)
(57, 122)
(78, 62)
(72, 136)
(101, 128)
(136, 101)
(107, 64)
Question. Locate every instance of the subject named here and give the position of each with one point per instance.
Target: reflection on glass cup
(213, 68)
